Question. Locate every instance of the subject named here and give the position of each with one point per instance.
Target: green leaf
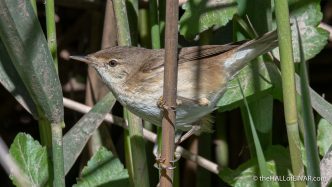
(10, 79)
(314, 39)
(26, 45)
(321, 106)
(103, 169)
(310, 141)
(75, 139)
(247, 174)
(257, 80)
(324, 138)
(31, 157)
(262, 118)
(263, 171)
(270, 81)
(201, 15)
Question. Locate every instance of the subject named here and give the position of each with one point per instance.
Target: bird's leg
(195, 129)
(160, 163)
(203, 125)
(188, 134)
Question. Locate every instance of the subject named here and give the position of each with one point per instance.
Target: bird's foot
(161, 103)
(177, 157)
(161, 165)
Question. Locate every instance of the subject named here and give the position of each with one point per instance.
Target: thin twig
(148, 135)
(328, 28)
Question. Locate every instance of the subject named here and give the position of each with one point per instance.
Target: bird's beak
(81, 59)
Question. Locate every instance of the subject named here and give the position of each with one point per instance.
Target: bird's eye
(113, 63)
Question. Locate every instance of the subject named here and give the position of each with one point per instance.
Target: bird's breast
(197, 81)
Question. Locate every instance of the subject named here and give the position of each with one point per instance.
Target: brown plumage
(135, 76)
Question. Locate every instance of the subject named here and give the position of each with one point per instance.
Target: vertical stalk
(140, 169)
(140, 173)
(169, 91)
(57, 150)
(124, 39)
(143, 28)
(56, 129)
(122, 23)
(51, 137)
(288, 86)
(128, 152)
(46, 139)
(51, 31)
(155, 38)
(155, 31)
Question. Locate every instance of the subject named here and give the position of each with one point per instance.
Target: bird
(135, 76)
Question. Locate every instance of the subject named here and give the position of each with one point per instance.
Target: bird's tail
(251, 50)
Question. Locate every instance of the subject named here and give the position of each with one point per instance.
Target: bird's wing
(153, 61)
(187, 54)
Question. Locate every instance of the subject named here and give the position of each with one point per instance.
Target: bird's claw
(177, 157)
(160, 162)
(161, 103)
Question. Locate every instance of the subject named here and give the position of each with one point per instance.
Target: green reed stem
(140, 173)
(288, 86)
(57, 150)
(51, 31)
(122, 23)
(56, 129)
(154, 23)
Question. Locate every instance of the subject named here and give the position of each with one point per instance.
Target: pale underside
(200, 86)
